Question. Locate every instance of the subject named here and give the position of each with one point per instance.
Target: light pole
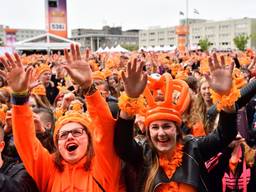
(187, 25)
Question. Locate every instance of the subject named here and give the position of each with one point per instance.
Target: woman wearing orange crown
(167, 161)
(85, 160)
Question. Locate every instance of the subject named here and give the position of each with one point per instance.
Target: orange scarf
(170, 167)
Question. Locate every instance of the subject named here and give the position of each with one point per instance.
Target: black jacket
(14, 178)
(138, 157)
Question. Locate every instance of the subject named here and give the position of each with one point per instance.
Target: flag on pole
(181, 13)
(196, 11)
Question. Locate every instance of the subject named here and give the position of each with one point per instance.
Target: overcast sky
(130, 14)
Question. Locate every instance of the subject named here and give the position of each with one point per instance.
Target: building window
(171, 33)
(224, 35)
(241, 26)
(241, 33)
(196, 37)
(224, 43)
(195, 29)
(161, 39)
(209, 28)
(152, 33)
(210, 36)
(224, 26)
(171, 38)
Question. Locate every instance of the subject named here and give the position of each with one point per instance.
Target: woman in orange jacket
(85, 159)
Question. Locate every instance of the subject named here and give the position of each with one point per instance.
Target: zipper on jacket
(198, 166)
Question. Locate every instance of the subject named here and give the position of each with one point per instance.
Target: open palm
(220, 78)
(78, 69)
(18, 79)
(134, 80)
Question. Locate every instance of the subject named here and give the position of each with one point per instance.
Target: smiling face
(205, 92)
(73, 142)
(163, 134)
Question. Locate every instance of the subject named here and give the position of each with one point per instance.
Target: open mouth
(72, 147)
(163, 140)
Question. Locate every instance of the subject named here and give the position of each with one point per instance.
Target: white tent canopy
(118, 48)
(46, 41)
(100, 50)
(4, 50)
(106, 49)
(165, 48)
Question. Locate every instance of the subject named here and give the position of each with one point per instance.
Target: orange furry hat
(71, 116)
(40, 69)
(39, 90)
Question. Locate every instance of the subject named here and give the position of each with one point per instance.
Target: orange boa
(170, 167)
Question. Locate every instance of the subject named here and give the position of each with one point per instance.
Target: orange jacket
(40, 165)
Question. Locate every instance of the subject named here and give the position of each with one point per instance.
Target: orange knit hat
(71, 116)
(40, 69)
(176, 99)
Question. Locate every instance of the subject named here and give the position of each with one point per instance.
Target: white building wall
(220, 34)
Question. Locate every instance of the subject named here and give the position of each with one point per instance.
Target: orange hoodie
(39, 163)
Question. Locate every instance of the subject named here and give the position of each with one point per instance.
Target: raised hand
(220, 77)
(17, 78)
(134, 80)
(78, 69)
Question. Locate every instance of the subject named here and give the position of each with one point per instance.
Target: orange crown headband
(176, 99)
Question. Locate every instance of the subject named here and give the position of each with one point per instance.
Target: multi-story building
(1, 34)
(19, 34)
(105, 37)
(23, 34)
(219, 33)
(158, 37)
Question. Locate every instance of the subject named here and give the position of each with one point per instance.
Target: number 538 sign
(58, 26)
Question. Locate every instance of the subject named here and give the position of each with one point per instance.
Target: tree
(204, 44)
(130, 47)
(1, 42)
(241, 41)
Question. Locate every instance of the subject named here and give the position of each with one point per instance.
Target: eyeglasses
(75, 133)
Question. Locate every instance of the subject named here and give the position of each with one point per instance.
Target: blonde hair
(199, 111)
(152, 174)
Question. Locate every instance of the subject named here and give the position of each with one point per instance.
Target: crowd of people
(128, 122)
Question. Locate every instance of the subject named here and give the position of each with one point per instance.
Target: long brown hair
(199, 111)
(89, 154)
(148, 186)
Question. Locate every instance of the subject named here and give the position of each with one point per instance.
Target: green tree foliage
(241, 41)
(130, 47)
(1, 42)
(204, 44)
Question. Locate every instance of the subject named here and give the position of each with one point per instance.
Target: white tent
(106, 49)
(4, 50)
(169, 48)
(112, 49)
(194, 47)
(100, 50)
(46, 41)
(121, 49)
